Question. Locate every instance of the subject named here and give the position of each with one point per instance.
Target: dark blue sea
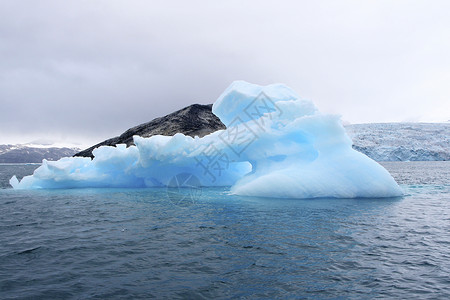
(147, 243)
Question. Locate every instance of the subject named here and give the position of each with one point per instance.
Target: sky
(84, 71)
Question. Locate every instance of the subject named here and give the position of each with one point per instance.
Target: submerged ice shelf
(275, 145)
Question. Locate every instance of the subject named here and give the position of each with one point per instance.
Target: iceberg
(275, 145)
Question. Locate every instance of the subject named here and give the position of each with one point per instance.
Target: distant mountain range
(379, 141)
(24, 153)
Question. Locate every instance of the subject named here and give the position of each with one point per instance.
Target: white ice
(275, 145)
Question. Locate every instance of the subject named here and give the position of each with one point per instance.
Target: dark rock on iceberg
(193, 120)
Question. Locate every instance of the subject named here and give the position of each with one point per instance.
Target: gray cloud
(85, 70)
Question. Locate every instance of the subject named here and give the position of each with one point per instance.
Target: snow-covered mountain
(30, 153)
(402, 141)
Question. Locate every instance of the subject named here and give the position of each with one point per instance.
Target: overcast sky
(83, 71)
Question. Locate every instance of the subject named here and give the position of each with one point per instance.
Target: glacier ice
(275, 145)
(402, 141)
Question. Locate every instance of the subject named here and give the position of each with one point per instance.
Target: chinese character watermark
(238, 136)
(261, 108)
(213, 161)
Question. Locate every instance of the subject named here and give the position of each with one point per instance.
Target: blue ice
(275, 145)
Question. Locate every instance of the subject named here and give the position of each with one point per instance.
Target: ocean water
(159, 243)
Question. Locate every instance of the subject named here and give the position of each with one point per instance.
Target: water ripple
(117, 243)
